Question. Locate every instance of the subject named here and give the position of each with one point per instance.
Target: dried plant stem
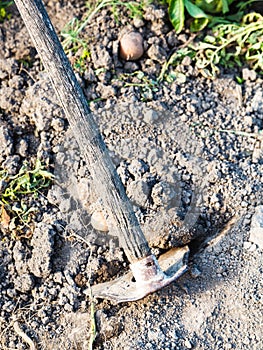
(23, 335)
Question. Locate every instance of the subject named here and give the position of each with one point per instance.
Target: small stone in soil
(24, 283)
(42, 242)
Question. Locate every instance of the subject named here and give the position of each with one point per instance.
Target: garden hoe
(147, 273)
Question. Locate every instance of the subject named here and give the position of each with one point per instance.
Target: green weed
(72, 41)
(73, 29)
(81, 62)
(18, 195)
(70, 35)
(204, 12)
(174, 60)
(3, 10)
(139, 79)
(231, 45)
(228, 45)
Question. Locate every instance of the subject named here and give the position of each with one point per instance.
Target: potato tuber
(131, 46)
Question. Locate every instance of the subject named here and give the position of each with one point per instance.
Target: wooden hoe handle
(107, 182)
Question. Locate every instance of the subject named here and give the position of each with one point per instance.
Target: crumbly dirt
(189, 153)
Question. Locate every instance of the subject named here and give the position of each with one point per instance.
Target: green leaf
(203, 46)
(210, 6)
(242, 5)
(46, 174)
(239, 79)
(176, 14)
(198, 24)
(2, 13)
(236, 17)
(140, 75)
(210, 39)
(38, 165)
(256, 46)
(194, 10)
(225, 7)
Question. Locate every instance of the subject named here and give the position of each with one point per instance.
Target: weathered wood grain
(107, 183)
